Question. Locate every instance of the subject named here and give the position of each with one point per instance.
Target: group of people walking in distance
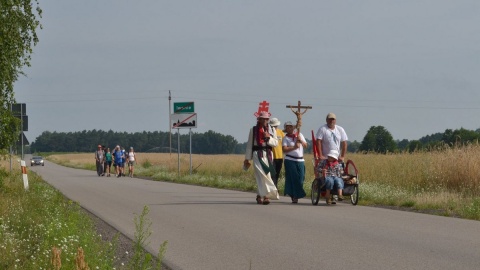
(271, 148)
(104, 160)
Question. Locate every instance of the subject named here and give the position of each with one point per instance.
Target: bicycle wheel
(315, 192)
(354, 196)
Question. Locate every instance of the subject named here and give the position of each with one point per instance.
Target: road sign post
(184, 116)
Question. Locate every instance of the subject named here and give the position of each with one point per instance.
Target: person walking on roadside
(118, 157)
(131, 161)
(124, 161)
(293, 145)
(113, 161)
(277, 150)
(261, 138)
(99, 159)
(329, 137)
(108, 161)
(104, 148)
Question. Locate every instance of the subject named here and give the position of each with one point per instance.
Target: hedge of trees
(378, 139)
(209, 142)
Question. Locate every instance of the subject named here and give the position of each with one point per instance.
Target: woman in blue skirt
(292, 146)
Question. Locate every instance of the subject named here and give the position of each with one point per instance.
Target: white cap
(274, 122)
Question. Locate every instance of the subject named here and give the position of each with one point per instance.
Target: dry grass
(5, 163)
(209, 170)
(200, 163)
(454, 170)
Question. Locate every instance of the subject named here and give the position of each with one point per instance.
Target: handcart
(350, 177)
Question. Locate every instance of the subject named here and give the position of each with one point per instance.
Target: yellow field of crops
(225, 165)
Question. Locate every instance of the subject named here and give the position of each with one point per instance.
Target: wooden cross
(299, 113)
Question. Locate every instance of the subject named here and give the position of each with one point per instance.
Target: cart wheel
(315, 192)
(354, 196)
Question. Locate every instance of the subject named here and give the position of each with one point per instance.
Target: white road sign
(183, 120)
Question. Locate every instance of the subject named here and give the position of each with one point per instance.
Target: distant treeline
(377, 139)
(449, 138)
(209, 142)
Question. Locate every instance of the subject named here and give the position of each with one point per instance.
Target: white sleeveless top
(131, 156)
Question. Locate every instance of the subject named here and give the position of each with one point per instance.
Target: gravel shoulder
(125, 246)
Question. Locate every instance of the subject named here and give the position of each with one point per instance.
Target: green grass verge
(40, 229)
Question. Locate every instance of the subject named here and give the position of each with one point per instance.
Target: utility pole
(169, 120)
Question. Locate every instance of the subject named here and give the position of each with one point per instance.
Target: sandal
(266, 200)
(334, 201)
(329, 200)
(259, 199)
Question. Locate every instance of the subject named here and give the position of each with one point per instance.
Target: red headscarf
(331, 164)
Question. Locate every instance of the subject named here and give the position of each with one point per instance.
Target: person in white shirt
(292, 146)
(331, 136)
(261, 139)
(131, 161)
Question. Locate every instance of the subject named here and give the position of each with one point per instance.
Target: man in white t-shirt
(331, 137)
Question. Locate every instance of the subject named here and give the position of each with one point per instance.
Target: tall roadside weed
(142, 260)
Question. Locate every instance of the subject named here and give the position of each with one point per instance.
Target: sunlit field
(441, 182)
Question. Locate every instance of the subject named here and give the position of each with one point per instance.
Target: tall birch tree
(19, 20)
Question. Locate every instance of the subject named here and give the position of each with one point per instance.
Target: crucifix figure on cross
(299, 113)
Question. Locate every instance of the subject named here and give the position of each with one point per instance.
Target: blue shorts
(333, 181)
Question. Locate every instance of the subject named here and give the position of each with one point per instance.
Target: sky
(411, 66)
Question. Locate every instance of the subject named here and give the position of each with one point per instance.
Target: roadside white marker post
(24, 174)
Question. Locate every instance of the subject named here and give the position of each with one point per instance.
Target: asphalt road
(209, 228)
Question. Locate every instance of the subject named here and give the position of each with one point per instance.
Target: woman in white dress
(261, 138)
